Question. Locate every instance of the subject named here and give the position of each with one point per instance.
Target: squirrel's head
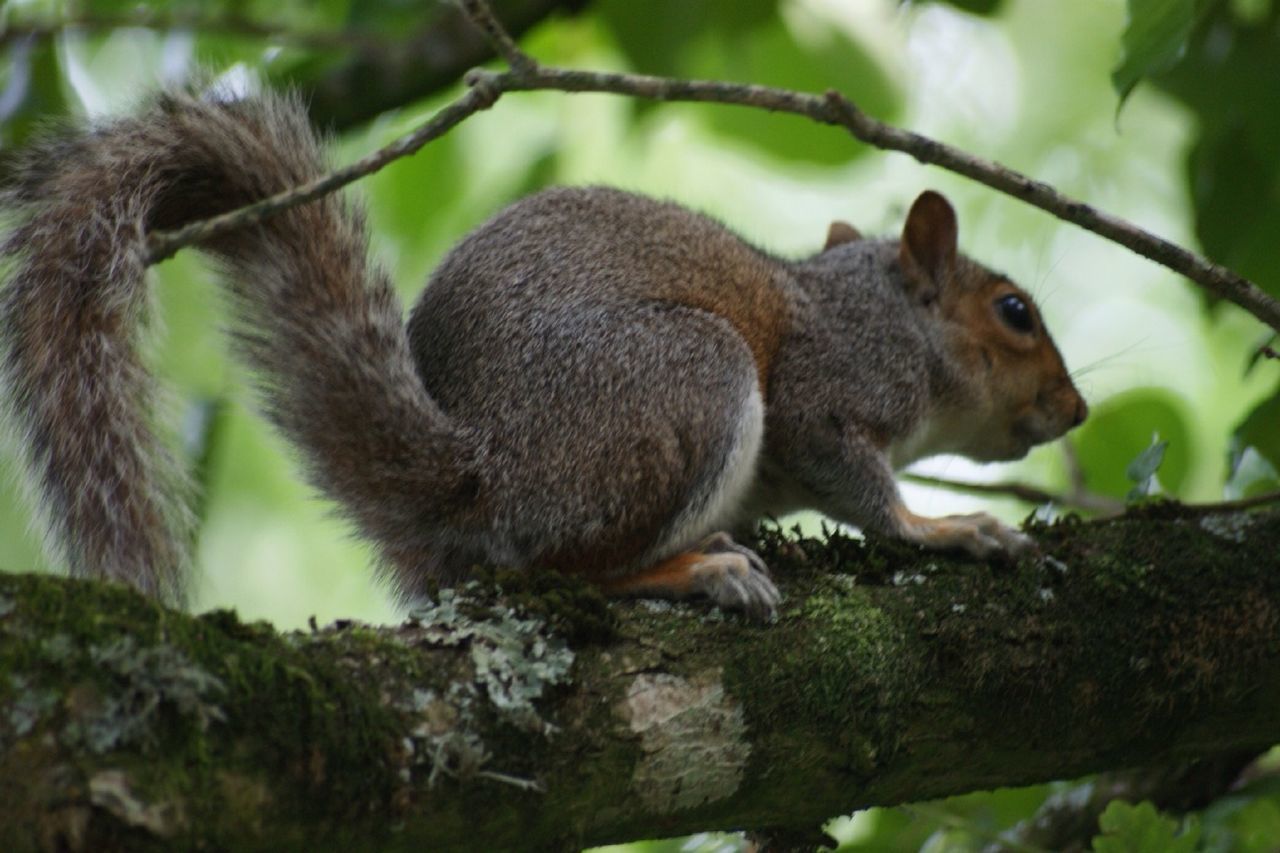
(1012, 390)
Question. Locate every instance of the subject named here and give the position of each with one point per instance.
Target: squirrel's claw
(978, 534)
(736, 578)
(731, 575)
(995, 536)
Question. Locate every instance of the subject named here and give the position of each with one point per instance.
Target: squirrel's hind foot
(731, 575)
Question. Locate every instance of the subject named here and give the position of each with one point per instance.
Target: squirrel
(592, 381)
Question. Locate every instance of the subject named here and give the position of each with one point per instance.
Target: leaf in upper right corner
(1127, 828)
(1229, 79)
(1154, 39)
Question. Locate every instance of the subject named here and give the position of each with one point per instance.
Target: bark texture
(542, 718)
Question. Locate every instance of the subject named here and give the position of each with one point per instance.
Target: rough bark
(545, 719)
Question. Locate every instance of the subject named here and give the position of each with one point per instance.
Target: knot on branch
(485, 85)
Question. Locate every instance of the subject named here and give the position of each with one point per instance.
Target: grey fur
(581, 384)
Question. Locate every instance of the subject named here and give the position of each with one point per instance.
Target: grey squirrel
(592, 381)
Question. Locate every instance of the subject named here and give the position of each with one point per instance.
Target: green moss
(885, 665)
(125, 691)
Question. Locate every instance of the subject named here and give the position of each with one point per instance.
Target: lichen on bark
(524, 711)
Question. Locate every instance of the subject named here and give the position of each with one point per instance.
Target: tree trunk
(544, 718)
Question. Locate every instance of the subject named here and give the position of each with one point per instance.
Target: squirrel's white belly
(719, 503)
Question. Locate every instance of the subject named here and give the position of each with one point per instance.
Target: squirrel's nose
(1081, 412)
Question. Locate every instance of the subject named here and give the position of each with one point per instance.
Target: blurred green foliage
(1120, 429)
(1163, 111)
(1154, 40)
(1141, 829)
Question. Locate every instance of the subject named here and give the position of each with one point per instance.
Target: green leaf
(1128, 828)
(31, 89)
(1250, 474)
(1235, 187)
(1119, 430)
(1229, 80)
(656, 36)
(1261, 429)
(1142, 470)
(749, 42)
(1154, 39)
(773, 56)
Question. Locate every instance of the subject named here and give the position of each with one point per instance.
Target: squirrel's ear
(841, 232)
(928, 248)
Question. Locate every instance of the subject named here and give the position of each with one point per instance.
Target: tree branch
(891, 675)
(833, 108)
(372, 74)
(163, 244)
(1076, 498)
(482, 16)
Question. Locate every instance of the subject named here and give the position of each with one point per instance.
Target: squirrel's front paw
(978, 533)
(990, 536)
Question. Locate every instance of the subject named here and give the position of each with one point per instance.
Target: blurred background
(1163, 112)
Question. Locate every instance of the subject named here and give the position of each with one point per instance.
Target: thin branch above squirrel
(592, 380)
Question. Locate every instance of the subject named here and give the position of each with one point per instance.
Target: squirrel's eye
(1015, 313)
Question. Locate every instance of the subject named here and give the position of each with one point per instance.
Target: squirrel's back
(568, 251)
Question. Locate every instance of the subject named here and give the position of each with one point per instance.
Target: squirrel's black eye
(1015, 313)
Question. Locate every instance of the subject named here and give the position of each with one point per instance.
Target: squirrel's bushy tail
(320, 327)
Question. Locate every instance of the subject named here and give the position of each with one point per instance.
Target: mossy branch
(891, 675)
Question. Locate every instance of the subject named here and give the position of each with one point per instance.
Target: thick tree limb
(891, 675)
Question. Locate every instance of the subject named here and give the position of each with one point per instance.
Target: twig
(1264, 499)
(163, 244)
(1084, 499)
(837, 110)
(229, 24)
(1078, 498)
(832, 108)
(482, 16)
